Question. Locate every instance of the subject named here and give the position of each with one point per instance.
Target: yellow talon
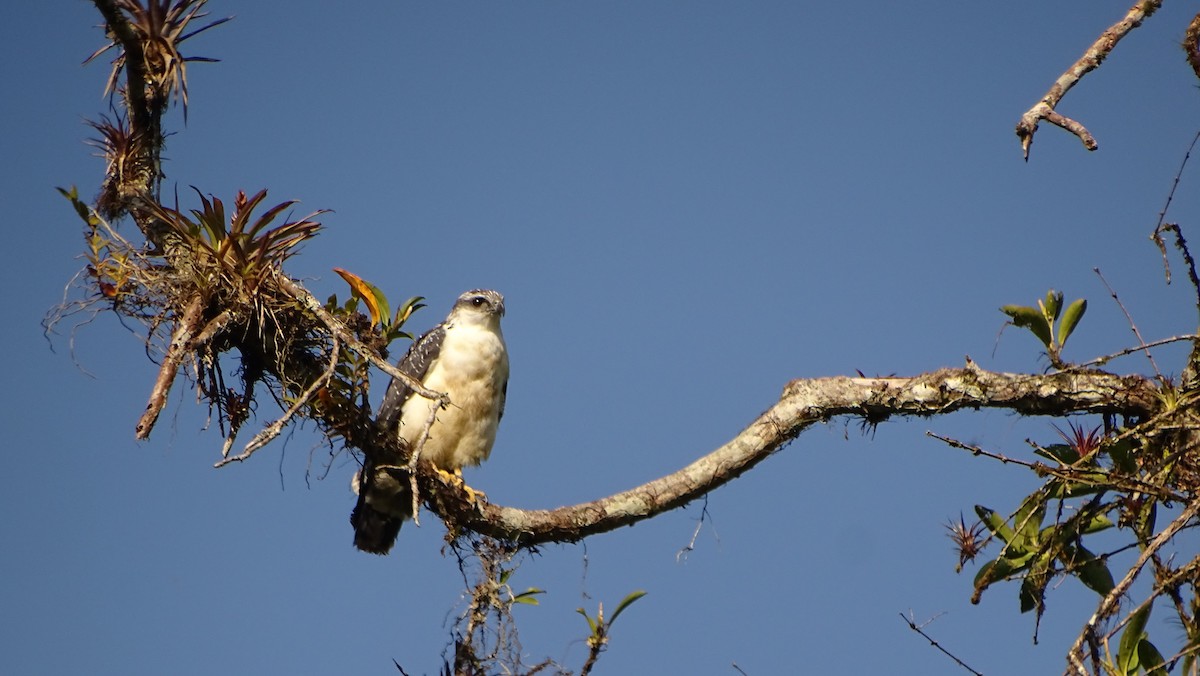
(455, 479)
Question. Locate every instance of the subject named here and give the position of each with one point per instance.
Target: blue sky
(686, 205)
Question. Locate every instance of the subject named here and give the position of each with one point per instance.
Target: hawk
(464, 357)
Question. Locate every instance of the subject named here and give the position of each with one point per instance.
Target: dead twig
(1129, 318)
(1099, 361)
(1091, 59)
(1162, 225)
(913, 625)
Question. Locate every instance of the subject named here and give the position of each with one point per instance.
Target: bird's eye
(478, 301)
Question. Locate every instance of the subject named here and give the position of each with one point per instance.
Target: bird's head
(482, 306)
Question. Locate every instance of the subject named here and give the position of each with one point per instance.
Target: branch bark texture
(1091, 59)
(803, 404)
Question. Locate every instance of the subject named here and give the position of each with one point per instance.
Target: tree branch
(1110, 603)
(181, 342)
(1091, 59)
(803, 404)
(140, 115)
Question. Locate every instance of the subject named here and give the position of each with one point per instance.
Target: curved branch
(803, 404)
(1100, 49)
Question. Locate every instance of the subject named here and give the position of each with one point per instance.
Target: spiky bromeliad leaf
(161, 26)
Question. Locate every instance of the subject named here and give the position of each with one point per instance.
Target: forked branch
(1091, 59)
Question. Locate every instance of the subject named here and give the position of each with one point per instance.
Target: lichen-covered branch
(803, 404)
(1045, 109)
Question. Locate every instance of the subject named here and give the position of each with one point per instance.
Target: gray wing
(416, 363)
(383, 499)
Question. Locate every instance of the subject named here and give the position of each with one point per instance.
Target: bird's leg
(455, 478)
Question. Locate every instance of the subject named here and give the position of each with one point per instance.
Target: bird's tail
(384, 504)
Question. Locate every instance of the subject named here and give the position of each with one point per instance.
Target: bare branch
(1098, 361)
(913, 625)
(805, 403)
(181, 341)
(1091, 59)
(1129, 318)
(1162, 225)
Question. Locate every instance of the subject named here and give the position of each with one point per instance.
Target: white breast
(472, 367)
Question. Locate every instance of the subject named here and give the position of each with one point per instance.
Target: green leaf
(590, 621)
(1060, 453)
(995, 523)
(1097, 523)
(84, 212)
(1030, 318)
(1135, 631)
(1053, 305)
(1092, 571)
(1028, 521)
(405, 310)
(529, 596)
(1152, 660)
(1033, 587)
(1070, 320)
(625, 603)
(999, 569)
(1121, 453)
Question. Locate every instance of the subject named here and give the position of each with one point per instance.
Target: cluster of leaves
(238, 250)
(109, 258)
(346, 394)
(391, 326)
(1094, 482)
(1037, 551)
(1041, 320)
